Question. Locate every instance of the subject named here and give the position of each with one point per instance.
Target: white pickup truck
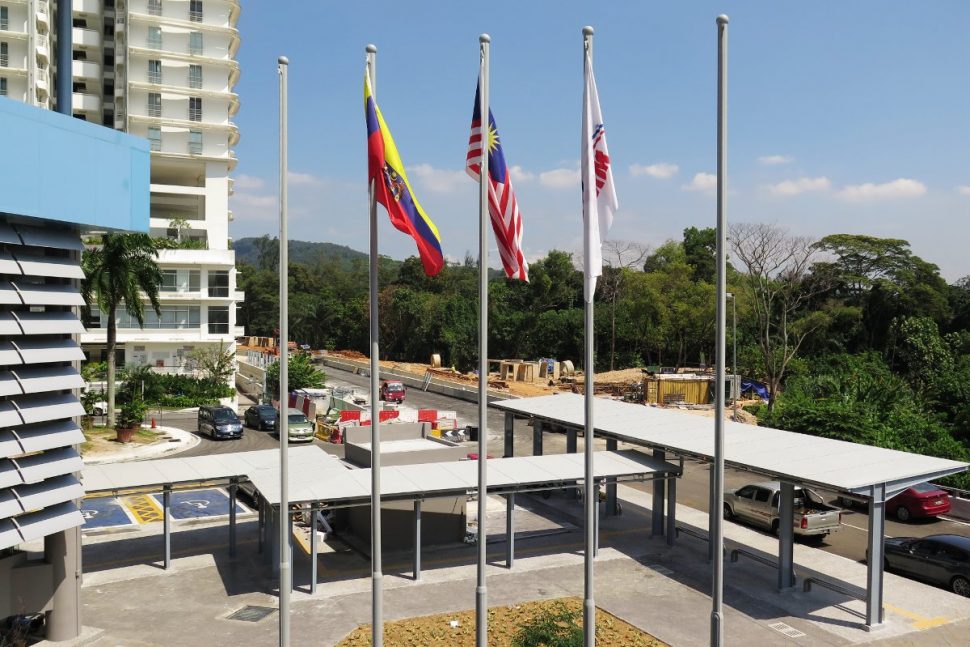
(758, 504)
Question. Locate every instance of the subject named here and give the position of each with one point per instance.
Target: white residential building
(163, 70)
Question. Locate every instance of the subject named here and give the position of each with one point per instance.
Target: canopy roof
(783, 455)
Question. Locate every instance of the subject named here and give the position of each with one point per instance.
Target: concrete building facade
(163, 70)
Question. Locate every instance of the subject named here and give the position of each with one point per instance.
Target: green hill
(301, 251)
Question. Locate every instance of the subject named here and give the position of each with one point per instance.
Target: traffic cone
(154, 426)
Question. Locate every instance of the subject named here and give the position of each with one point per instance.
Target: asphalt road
(692, 491)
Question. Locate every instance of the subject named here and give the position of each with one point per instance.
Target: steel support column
(612, 509)
(875, 563)
(260, 525)
(671, 510)
(596, 519)
(657, 514)
(537, 428)
(313, 551)
(786, 537)
(167, 525)
(509, 434)
(510, 530)
(571, 443)
(417, 540)
(233, 488)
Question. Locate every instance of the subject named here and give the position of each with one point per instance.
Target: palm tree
(115, 275)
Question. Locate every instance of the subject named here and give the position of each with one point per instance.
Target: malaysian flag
(502, 205)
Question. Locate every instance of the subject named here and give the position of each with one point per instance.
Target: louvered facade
(39, 354)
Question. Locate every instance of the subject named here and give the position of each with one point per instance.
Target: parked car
(393, 391)
(918, 502)
(758, 503)
(939, 559)
(299, 429)
(219, 422)
(99, 408)
(261, 416)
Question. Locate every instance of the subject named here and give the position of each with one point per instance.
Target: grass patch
(554, 623)
(103, 439)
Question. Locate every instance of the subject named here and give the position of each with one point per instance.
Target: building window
(195, 10)
(154, 71)
(195, 109)
(155, 37)
(170, 279)
(4, 19)
(79, 55)
(195, 142)
(154, 104)
(155, 7)
(218, 320)
(3, 87)
(218, 284)
(195, 76)
(195, 42)
(4, 55)
(155, 138)
(172, 317)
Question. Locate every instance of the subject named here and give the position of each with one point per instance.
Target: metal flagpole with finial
(717, 536)
(481, 604)
(286, 576)
(377, 596)
(589, 606)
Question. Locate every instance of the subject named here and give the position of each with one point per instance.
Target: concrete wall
(358, 455)
(442, 522)
(31, 585)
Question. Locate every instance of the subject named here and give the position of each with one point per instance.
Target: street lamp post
(736, 386)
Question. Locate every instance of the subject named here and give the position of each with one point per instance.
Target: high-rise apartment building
(163, 70)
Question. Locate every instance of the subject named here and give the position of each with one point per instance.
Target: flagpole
(717, 537)
(377, 596)
(589, 606)
(481, 605)
(286, 577)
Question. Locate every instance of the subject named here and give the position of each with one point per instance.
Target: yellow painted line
(144, 507)
(917, 621)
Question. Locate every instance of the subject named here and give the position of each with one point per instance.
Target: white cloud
(963, 189)
(248, 182)
(775, 160)
(520, 175)
(900, 188)
(800, 185)
(702, 182)
(440, 180)
(660, 170)
(302, 179)
(560, 178)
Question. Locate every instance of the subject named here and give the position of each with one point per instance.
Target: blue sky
(843, 117)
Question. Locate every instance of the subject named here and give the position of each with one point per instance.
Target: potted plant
(130, 419)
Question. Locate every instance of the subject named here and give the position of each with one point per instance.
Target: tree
(700, 249)
(618, 255)
(115, 275)
(777, 272)
(216, 363)
(300, 374)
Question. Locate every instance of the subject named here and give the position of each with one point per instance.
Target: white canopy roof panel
(785, 455)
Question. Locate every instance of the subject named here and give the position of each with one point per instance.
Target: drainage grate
(787, 630)
(251, 613)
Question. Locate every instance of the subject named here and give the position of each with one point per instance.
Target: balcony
(43, 55)
(87, 71)
(86, 102)
(88, 38)
(86, 7)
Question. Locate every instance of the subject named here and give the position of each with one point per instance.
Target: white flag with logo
(599, 194)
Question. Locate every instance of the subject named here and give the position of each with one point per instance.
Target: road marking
(918, 621)
(865, 530)
(143, 507)
(952, 520)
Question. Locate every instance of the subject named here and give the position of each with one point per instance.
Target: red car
(919, 501)
(392, 391)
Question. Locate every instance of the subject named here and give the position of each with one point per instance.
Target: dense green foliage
(170, 390)
(856, 337)
(300, 374)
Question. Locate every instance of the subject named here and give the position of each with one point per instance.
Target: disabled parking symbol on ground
(104, 512)
(198, 504)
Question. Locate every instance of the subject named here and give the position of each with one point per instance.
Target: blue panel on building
(199, 503)
(103, 512)
(64, 169)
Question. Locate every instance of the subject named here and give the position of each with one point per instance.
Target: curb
(182, 440)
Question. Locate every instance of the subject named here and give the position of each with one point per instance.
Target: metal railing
(154, 7)
(155, 143)
(195, 113)
(195, 148)
(4, 60)
(738, 552)
(154, 110)
(154, 42)
(195, 80)
(195, 15)
(4, 24)
(155, 77)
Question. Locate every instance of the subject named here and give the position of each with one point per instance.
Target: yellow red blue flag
(393, 190)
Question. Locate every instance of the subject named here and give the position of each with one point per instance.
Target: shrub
(132, 414)
(555, 627)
